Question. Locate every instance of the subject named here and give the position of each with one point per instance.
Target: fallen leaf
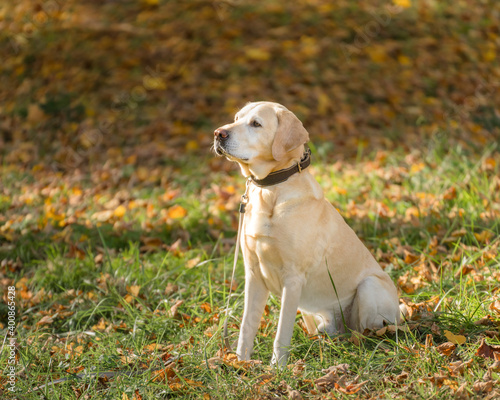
(446, 348)
(46, 320)
(458, 367)
(351, 388)
(450, 193)
(461, 393)
(457, 339)
(483, 236)
(174, 309)
(119, 211)
(206, 307)
(176, 212)
(193, 262)
(133, 290)
(171, 288)
(483, 387)
(495, 306)
(487, 350)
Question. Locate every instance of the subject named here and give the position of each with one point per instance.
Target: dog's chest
(260, 244)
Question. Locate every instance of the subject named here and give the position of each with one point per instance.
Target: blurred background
(82, 81)
(107, 108)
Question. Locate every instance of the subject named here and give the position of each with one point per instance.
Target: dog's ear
(290, 134)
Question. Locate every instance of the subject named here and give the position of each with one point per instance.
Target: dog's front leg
(256, 295)
(290, 297)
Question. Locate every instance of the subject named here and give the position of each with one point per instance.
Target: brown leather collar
(283, 174)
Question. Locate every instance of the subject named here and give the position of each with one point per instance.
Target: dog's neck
(263, 168)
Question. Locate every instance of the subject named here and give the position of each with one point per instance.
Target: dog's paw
(280, 359)
(327, 328)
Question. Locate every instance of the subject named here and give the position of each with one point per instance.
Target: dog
(294, 242)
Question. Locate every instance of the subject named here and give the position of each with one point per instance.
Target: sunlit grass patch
(148, 298)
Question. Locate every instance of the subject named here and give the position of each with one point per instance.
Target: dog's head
(264, 137)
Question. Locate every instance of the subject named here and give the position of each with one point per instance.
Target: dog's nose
(221, 133)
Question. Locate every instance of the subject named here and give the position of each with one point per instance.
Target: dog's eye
(255, 124)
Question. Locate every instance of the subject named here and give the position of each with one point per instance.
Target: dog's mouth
(221, 151)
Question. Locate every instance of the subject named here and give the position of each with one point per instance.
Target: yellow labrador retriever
(294, 241)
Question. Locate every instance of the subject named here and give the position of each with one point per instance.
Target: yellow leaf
(489, 55)
(417, 167)
(100, 326)
(192, 145)
(323, 103)
(483, 236)
(193, 262)
(258, 54)
(35, 113)
(456, 339)
(142, 173)
(125, 397)
(120, 211)
(377, 54)
(153, 82)
(402, 3)
(128, 298)
(404, 60)
(134, 290)
(176, 212)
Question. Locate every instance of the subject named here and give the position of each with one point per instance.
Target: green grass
(398, 203)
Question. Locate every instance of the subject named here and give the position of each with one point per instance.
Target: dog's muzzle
(220, 139)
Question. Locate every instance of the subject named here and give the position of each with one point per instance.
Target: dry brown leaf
(173, 313)
(487, 321)
(458, 367)
(446, 348)
(356, 338)
(429, 342)
(403, 376)
(294, 395)
(350, 388)
(46, 320)
(483, 387)
(461, 393)
(495, 306)
(495, 367)
(487, 350)
(170, 289)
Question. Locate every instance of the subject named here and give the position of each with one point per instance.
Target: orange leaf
(176, 212)
(206, 307)
(119, 211)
